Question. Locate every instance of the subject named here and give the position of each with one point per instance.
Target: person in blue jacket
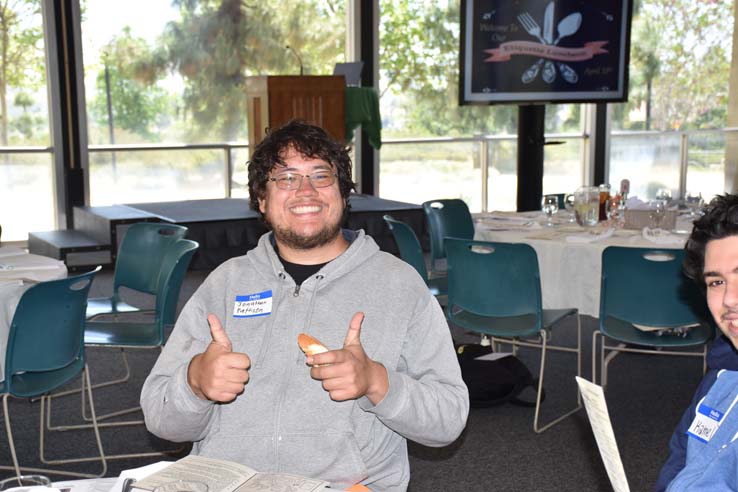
(722, 355)
(702, 455)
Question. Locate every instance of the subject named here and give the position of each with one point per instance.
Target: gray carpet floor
(497, 451)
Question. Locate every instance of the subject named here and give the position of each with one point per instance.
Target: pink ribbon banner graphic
(511, 48)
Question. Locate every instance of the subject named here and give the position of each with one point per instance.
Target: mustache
(732, 312)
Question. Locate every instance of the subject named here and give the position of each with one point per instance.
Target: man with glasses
(238, 385)
(702, 455)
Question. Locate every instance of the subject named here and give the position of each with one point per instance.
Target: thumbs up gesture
(348, 374)
(218, 374)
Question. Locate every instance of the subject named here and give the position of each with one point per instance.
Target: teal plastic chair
(646, 286)
(446, 218)
(145, 334)
(494, 289)
(45, 351)
(137, 265)
(412, 253)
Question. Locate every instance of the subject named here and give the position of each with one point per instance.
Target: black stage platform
(224, 227)
(228, 227)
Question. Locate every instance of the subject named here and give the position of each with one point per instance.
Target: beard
(293, 240)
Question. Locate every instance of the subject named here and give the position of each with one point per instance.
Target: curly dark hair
(309, 141)
(720, 221)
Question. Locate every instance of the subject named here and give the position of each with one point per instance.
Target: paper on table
(599, 418)
(22, 268)
(10, 251)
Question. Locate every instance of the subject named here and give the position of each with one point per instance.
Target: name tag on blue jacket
(705, 423)
(250, 305)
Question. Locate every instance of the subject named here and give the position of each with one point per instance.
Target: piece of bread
(310, 345)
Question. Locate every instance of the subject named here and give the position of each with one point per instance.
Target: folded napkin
(660, 236)
(590, 236)
(635, 203)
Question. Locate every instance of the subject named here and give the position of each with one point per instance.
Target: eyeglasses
(293, 181)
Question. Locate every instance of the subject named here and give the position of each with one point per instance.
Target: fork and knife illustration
(566, 27)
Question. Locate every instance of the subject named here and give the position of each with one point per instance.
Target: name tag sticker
(252, 305)
(705, 423)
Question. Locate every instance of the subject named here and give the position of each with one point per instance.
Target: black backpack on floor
(494, 382)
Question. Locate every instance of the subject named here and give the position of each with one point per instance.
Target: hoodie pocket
(331, 456)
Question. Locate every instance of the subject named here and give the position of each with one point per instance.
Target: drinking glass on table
(569, 201)
(664, 195)
(25, 481)
(658, 212)
(550, 205)
(694, 201)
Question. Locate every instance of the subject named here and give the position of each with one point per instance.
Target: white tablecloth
(18, 271)
(570, 262)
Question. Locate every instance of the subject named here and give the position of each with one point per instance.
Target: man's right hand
(218, 374)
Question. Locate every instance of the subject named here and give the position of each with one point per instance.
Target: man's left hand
(348, 374)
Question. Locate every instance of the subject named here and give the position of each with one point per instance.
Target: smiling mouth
(306, 209)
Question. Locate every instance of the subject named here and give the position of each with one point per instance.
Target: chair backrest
(174, 265)
(47, 332)
(447, 218)
(493, 279)
(646, 286)
(408, 244)
(140, 254)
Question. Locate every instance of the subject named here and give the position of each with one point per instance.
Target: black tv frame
(592, 11)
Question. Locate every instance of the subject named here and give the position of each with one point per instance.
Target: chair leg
(9, 432)
(18, 470)
(544, 343)
(86, 388)
(594, 354)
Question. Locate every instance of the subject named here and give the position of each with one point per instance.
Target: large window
(669, 133)
(441, 149)
(26, 163)
(177, 75)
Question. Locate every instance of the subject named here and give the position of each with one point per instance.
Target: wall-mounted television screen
(538, 51)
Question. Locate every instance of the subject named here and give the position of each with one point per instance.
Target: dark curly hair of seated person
(307, 140)
(719, 221)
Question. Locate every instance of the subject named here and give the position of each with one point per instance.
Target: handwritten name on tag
(251, 305)
(705, 423)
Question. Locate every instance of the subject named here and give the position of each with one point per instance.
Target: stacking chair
(412, 253)
(646, 286)
(122, 334)
(136, 267)
(45, 351)
(137, 264)
(446, 218)
(494, 289)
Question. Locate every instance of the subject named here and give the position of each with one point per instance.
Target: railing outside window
(480, 169)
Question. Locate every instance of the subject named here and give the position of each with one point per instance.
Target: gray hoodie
(284, 421)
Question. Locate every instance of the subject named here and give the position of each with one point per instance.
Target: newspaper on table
(599, 418)
(227, 476)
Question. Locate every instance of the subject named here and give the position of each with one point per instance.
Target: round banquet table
(570, 262)
(18, 271)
